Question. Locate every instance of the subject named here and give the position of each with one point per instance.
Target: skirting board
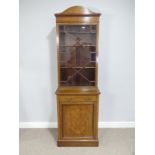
(54, 124)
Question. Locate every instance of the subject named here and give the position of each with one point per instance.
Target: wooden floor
(43, 142)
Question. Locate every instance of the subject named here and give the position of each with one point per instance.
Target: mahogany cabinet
(77, 93)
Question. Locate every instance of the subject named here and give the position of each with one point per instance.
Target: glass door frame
(58, 49)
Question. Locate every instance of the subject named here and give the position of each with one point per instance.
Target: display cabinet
(77, 92)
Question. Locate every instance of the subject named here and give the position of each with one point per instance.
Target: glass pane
(77, 47)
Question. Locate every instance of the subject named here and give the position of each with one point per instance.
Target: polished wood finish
(85, 90)
(77, 106)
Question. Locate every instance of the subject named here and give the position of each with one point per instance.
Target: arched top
(77, 11)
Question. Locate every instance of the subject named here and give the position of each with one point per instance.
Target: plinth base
(78, 143)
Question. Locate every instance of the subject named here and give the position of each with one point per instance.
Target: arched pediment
(77, 11)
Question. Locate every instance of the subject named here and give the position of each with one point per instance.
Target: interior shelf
(79, 67)
(76, 45)
(78, 32)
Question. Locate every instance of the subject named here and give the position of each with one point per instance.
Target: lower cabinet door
(78, 120)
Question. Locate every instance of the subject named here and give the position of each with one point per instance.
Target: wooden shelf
(76, 46)
(66, 80)
(69, 51)
(78, 32)
(79, 67)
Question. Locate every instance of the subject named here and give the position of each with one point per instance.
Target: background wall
(38, 66)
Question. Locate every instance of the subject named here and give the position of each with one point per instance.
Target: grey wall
(38, 66)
